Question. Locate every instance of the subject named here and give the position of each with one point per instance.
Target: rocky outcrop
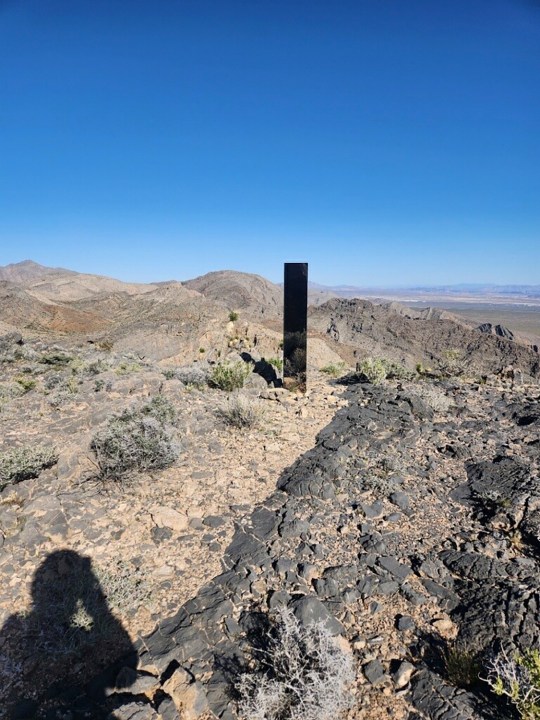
(418, 337)
(499, 330)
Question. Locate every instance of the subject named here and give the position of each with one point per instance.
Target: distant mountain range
(225, 309)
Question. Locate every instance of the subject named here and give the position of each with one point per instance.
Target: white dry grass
(304, 674)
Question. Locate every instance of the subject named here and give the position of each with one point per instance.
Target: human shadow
(67, 637)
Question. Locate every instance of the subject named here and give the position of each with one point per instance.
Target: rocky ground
(153, 539)
(410, 525)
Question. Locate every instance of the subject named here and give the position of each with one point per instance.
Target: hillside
(61, 285)
(175, 320)
(241, 291)
(412, 337)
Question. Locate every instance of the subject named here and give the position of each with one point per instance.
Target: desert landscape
(181, 537)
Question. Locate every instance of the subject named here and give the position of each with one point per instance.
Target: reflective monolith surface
(295, 326)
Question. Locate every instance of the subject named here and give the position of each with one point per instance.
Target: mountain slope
(416, 337)
(61, 285)
(240, 291)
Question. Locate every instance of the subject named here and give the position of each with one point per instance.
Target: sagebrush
(136, 440)
(195, 375)
(241, 411)
(25, 463)
(302, 674)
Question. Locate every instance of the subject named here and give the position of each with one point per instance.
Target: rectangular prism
(295, 326)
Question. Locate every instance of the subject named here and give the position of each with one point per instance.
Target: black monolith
(295, 326)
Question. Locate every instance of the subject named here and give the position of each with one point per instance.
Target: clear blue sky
(384, 141)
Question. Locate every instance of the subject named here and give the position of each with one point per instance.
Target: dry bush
(24, 463)
(241, 411)
(195, 375)
(136, 440)
(303, 674)
(436, 399)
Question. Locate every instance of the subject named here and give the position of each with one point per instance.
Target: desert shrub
(195, 375)
(334, 369)
(462, 666)
(53, 380)
(8, 391)
(373, 370)
(76, 617)
(126, 587)
(397, 371)
(96, 366)
(229, 376)
(58, 359)
(64, 389)
(126, 368)
(25, 383)
(435, 398)
(233, 316)
(161, 409)
(24, 463)
(24, 352)
(518, 678)
(376, 370)
(453, 362)
(303, 674)
(276, 362)
(134, 440)
(241, 411)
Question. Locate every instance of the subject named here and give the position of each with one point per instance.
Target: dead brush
(241, 411)
(302, 674)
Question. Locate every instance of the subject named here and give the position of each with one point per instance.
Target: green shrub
(56, 358)
(25, 383)
(24, 463)
(518, 678)
(276, 362)
(373, 370)
(241, 411)
(135, 440)
(229, 376)
(161, 409)
(376, 370)
(125, 368)
(334, 369)
(462, 666)
(233, 316)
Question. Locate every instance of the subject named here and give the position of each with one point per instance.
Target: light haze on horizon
(388, 144)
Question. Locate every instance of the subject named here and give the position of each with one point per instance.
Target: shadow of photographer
(67, 637)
